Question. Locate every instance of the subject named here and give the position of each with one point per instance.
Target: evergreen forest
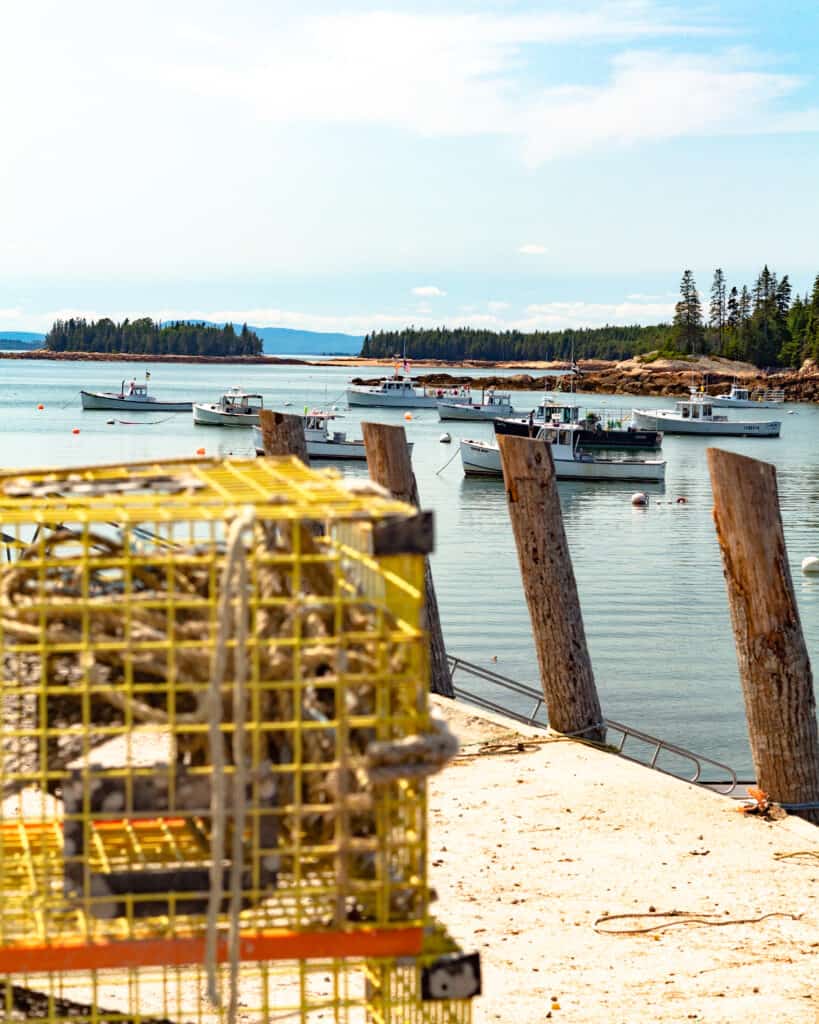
(765, 325)
(146, 337)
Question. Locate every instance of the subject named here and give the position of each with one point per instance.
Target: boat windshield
(558, 413)
(243, 403)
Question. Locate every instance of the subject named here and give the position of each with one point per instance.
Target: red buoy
(76, 430)
(40, 407)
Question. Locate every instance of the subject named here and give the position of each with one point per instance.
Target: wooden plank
(550, 588)
(388, 461)
(283, 434)
(774, 667)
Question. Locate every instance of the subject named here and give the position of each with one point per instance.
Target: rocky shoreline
(638, 376)
(635, 378)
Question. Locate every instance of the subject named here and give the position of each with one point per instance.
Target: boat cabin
(548, 412)
(493, 397)
(240, 402)
(739, 394)
(695, 409)
(316, 427)
(134, 390)
(557, 436)
(396, 385)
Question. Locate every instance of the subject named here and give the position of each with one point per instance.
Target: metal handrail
(626, 732)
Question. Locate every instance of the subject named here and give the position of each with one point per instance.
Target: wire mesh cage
(214, 731)
(345, 991)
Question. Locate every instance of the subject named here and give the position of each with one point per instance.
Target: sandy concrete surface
(529, 847)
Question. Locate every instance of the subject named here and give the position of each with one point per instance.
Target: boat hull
(705, 428)
(724, 402)
(111, 401)
(456, 411)
(363, 397)
(327, 449)
(212, 416)
(647, 440)
(481, 459)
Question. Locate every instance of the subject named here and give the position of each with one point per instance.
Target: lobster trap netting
(344, 991)
(214, 732)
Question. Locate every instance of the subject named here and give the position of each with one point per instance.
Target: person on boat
(132, 386)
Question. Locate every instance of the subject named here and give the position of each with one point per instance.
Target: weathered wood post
(283, 434)
(774, 666)
(388, 461)
(550, 588)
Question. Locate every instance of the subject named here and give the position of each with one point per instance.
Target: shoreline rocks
(630, 377)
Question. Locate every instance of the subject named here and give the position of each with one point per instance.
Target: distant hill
(20, 340)
(281, 340)
(287, 341)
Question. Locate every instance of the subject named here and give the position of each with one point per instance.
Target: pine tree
(732, 305)
(687, 325)
(744, 305)
(782, 298)
(718, 306)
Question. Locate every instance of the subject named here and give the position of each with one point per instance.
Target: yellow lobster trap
(214, 739)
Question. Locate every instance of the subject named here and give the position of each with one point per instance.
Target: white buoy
(640, 499)
(288, 403)
(810, 565)
(445, 438)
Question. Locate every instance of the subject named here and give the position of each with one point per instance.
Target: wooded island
(764, 325)
(145, 337)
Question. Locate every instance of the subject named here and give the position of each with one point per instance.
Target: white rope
(411, 757)
(234, 560)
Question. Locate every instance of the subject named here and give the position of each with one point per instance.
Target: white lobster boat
(695, 415)
(481, 458)
(743, 398)
(236, 408)
(322, 443)
(494, 405)
(132, 397)
(396, 392)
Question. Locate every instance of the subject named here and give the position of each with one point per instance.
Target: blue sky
(344, 166)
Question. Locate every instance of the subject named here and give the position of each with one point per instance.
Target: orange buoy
(200, 451)
(408, 416)
(639, 499)
(682, 501)
(75, 430)
(40, 407)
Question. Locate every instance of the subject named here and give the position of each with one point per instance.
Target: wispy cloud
(554, 315)
(496, 306)
(448, 74)
(532, 249)
(428, 291)
(657, 96)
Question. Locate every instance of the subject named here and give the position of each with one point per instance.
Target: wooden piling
(388, 461)
(550, 588)
(283, 434)
(774, 666)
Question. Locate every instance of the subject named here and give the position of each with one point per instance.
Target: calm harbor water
(650, 579)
